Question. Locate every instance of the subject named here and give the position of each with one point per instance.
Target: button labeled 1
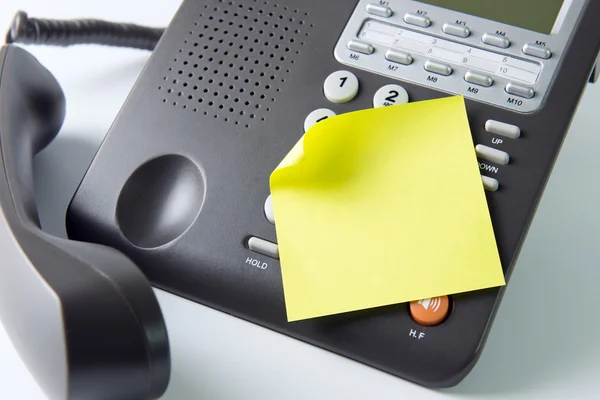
(390, 95)
(340, 87)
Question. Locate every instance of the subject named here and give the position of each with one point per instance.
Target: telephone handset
(82, 316)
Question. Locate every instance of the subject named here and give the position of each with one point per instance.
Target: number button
(390, 95)
(269, 213)
(340, 87)
(317, 115)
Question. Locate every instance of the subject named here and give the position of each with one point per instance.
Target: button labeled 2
(390, 95)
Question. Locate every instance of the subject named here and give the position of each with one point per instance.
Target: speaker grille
(233, 60)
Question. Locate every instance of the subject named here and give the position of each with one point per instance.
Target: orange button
(430, 312)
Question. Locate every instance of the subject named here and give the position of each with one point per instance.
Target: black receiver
(82, 316)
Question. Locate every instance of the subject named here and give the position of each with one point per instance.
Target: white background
(546, 339)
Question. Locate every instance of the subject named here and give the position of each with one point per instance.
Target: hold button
(263, 247)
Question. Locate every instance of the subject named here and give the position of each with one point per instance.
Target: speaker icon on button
(433, 304)
(430, 312)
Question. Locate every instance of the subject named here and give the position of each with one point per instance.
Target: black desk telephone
(181, 181)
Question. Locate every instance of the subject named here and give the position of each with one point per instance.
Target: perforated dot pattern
(234, 59)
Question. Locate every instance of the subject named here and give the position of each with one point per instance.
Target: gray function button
(456, 30)
(520, 90)
(438, 68)
(399, 57)
(360, 47)
(492, 155)
(537, 51)
(479, 79)
(490, 184)
(263, 247)
(418, 20)
(379, 10)
(495, 40)
(503, 129)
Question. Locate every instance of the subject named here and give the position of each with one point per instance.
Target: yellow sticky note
(383, 206)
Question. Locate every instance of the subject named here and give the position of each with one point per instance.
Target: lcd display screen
(535, 15)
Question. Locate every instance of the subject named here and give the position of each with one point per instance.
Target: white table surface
(545, 342)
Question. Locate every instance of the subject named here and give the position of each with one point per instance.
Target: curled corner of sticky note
(294, 156)
(299, 151)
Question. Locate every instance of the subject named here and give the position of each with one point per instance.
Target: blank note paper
(383, 206)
